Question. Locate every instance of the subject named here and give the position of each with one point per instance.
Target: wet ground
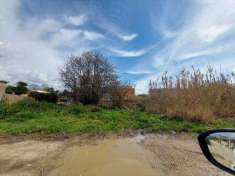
(148, 155)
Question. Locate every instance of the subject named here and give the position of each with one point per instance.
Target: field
(31, 117)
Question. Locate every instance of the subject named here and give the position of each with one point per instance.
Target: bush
(193, 95)
(10, 89)
(48, 97)
(33, 105)
(3, 81)
(20, 89)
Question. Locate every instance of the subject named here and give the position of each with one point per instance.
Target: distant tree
(50, 89)
(47, 97)
(21, 88)
(65, 94)
(4, 82)
(21, 84)
(88, 77)
(10, 89)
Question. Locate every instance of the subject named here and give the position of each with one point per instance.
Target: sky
(141, 38)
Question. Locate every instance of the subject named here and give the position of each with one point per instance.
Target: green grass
(28, 116)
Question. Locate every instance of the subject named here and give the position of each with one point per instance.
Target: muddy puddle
(109, 157)
(149, 155)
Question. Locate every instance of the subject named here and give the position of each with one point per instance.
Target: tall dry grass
(193, 95)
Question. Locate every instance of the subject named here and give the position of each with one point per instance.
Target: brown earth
(148, 155)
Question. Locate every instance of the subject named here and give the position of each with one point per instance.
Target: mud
(149, 155)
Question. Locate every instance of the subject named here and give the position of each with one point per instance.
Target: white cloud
(139, 72)
(131, 53)
(126, 37)
(46, 25)
(205, 38)
(77, 20)
(70, 37)
(212, 32)
(202, 33)
(213, 19)
(63, 37)
(123, 53)
(169, 34)
(89, 35)
(202, 53)
(67, 34)
(34, 47)
(115, 30)
(25, 53)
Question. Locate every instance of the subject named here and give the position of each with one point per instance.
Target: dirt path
(149, 155)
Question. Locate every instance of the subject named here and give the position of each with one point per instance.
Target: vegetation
(119, 94)
(19, 89)
(88, 77)
(191, 101)
(193, 95)
(29, 116)
(3, 81)
(10, 89)
(50, 97)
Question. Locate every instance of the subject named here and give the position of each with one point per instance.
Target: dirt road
(148, 155)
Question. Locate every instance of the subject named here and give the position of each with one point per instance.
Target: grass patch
(28, 117)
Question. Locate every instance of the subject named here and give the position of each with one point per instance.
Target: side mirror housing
(218, 146)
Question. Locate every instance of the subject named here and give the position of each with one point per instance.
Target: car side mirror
(218, 146)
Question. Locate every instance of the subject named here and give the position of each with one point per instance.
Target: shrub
(48, 97)
(21, 88)
(76, 109)
(193, 95)
(3, 81)
(10, 89)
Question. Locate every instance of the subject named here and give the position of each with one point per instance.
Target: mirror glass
(222, 148)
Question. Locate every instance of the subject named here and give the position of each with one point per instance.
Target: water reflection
(222, 147)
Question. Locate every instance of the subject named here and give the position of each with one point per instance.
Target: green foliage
(22, 84)
(2, 81)
(50, 89)
(10, 89)
(30, 116)
(21, 88)
(48, 97)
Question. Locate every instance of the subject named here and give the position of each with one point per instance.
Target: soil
(140, 155)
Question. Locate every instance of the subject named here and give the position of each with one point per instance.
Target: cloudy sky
(141, 38)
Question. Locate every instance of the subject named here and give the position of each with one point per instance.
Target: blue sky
(141, 38)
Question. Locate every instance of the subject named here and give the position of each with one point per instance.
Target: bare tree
(88, 77)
